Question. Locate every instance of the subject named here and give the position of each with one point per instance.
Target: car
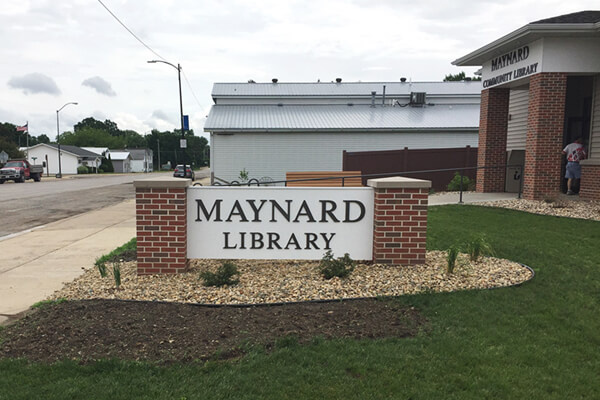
(189, 173)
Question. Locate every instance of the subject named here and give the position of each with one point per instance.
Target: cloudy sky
(59, 51)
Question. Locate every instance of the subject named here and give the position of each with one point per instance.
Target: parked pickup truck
(20, 170)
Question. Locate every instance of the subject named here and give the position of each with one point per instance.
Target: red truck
(20, 170)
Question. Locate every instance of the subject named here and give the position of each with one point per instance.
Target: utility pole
(159, 164)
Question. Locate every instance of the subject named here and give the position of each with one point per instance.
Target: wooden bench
(348, 182)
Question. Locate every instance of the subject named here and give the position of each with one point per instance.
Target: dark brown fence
(404, 161)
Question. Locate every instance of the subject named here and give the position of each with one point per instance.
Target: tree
(10, 148)
(461, 76)
(43, 139)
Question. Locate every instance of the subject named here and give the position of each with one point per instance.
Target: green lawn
(537, 341)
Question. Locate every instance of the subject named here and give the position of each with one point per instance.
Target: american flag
(22, 128)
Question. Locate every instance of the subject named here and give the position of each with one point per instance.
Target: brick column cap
(397, 182)
(164, 182)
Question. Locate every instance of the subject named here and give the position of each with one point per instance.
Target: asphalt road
(27, 205)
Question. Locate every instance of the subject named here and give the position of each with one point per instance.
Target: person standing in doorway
(575, 152)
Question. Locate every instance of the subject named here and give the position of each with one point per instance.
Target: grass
(127, 250)
(536, 341)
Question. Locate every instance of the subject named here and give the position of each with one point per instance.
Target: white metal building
(269, 129)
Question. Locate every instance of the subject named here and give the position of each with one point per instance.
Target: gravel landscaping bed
(556, 207)
(270, 281)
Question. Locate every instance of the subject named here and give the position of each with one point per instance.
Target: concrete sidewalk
(468, 197)
(36, 263)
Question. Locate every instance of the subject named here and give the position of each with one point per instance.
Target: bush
(454, 185)
(223, 276)
(451, 259)
(82, 169)
(331, 267)
(479, 247)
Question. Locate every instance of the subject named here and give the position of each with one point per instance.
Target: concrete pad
(35, 264)
(3, 319)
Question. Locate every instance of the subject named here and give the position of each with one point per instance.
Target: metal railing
(461, 170)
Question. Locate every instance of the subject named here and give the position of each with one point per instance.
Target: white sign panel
(518, 63)
(279, 223)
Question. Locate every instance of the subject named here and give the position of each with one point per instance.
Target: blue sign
(186, 123)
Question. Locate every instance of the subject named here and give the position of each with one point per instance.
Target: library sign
(515, 64)
(279, 223)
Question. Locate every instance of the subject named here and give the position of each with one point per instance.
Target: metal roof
(583, 24)
(261, 118)
(345, 89)
(78, 151)
(119, 155)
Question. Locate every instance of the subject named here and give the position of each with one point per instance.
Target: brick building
(541, 90)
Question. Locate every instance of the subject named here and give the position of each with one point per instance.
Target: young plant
(102, 269)
(451, 259)
(244, 175)
(223, 276)
(479, 247)
(117, 274)
(341, 267)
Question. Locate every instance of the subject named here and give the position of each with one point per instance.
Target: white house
(121, 161)
(71, 158)
(141, 159)
(269, 129)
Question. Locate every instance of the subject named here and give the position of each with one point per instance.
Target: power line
(129, 30)
(149, 48)
(191, 90)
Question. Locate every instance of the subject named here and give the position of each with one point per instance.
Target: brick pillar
(545, 126)
(590, 180)
(161, 213)
(400, 220)
(493, 123)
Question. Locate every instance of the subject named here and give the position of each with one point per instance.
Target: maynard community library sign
(279, 223)
(516, 64)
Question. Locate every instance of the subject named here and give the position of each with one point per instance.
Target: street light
(182, 144)
(58, 138)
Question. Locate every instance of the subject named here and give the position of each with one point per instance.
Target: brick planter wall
(590, 180)
(161, 213)
(400, 220)
(545, 125)
(493, 124)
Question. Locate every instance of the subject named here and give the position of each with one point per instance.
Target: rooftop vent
(274, 80)
(403, 79)
(338, 80)
(417, 99)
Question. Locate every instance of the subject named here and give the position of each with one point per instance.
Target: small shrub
(451, 259)
(117, 274)
(454, 185)
(341, 267)
(224, 275)
(244, 175)
(102, 269)
(45, 303)
(479, 247)
(82, 169)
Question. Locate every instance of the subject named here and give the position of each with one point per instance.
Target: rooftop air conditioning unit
(417, 99)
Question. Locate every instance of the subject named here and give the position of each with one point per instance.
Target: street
(27, 205)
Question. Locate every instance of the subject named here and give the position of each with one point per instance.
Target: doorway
(578, 112)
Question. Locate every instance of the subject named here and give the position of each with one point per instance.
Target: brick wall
(590, 181)
(493, 123)
(161, 226)
(400, 220)
(545, 126)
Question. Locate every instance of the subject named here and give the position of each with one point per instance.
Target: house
(269, 129)
(121, 161)
(141, 159)
(71, 158)
(541, 90)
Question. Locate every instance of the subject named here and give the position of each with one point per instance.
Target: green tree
(43, 138)
(10, 148)
(461, 76)
(92, 137)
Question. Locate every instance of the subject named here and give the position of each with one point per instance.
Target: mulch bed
(87, 330)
